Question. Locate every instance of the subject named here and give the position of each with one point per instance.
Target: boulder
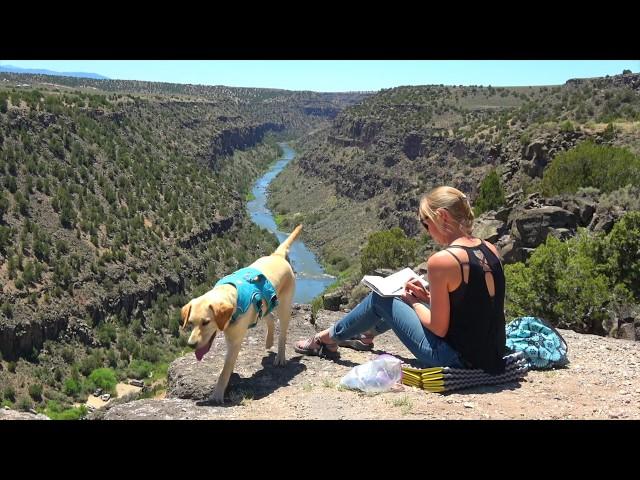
(488, 228)
(333, 300)
(254, 371)
(8, 414)
(531, 227)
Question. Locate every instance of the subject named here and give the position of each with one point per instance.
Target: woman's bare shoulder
(493, 248)
(441, 259)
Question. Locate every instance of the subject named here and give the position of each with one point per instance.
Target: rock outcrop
(601, 382)
(9, 414)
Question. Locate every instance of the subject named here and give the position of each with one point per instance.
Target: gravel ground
(601, 382)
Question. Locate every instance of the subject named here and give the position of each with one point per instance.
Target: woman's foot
(315, 346)
(362, 342)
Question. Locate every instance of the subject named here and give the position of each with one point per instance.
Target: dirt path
(122, 389)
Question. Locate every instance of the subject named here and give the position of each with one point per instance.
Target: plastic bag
(378, 375)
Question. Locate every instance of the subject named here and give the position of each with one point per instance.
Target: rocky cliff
(601, 382)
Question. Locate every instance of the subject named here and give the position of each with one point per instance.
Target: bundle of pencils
(445, 379)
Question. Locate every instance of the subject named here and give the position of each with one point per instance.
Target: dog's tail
(283, 249)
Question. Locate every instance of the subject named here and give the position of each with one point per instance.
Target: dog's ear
(184, 313)
(221, 313)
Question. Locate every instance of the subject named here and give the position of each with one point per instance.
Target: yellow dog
(225, 308)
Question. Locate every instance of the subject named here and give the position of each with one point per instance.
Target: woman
(459, 322)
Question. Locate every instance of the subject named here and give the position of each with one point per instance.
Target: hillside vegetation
(119, 201)
(535, 161)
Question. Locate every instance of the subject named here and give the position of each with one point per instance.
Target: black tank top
(477, 326)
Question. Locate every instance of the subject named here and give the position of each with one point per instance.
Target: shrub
(575, 284)
(491, 195)
(621, 253)
(589, 165)
(151, 354)
(7, 310)
(89, 363)
(316, 304)
(68, 355)
(56, 411)
(72, 387)
(566, 126)
(609, 132)
(139, 369)
(35, 391)
(4, 204)
(24, 403)
(107, 334)
(104, 378)
(9, 393)
(387, 249)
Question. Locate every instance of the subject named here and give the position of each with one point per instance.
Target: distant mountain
(36, 71)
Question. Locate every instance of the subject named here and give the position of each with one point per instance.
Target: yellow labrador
(226, 308)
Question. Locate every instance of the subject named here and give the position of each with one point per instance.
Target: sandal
(313, 346)
(360, 342)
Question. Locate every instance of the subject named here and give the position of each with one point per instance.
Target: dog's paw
(217, 398)
(280, 361)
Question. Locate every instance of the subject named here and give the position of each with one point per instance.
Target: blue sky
(341, 75)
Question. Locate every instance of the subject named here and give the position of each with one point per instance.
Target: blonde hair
(451, 199)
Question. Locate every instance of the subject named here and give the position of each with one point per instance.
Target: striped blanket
(445, 379)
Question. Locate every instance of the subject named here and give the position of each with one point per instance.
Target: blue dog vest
(252, 287)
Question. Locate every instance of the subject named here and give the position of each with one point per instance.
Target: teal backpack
(540, 342)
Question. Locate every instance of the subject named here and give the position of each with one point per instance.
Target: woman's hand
(414, 292)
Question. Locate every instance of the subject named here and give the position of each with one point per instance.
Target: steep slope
(367, 171)
(116, 206)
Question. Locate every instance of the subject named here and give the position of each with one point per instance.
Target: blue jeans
(379, 314)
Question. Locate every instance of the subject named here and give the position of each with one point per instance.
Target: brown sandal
(313, 346)
(362, 342)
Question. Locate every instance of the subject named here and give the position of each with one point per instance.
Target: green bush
(4, 204)
(9, 393)
(339, 262)
(566, 126)
(56, 411)
(90, 363)
(107, 334)
(621, 253)
(139, 369)
(491, 195)
(35, 391)
(72, 387)
(387, 249)
(609, 132)
(24, 404)
(7, 310)
(578, 284)
(6, 236)
(104, 378)
(151, 354)
(316, 304)
(68, 355)
(590, 165)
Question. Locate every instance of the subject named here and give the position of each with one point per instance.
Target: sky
(341, 75)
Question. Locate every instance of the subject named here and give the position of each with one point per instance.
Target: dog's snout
(192, 345)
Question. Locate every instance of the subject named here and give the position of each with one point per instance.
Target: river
(311, 280)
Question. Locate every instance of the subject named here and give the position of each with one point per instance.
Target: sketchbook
(393, 285)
